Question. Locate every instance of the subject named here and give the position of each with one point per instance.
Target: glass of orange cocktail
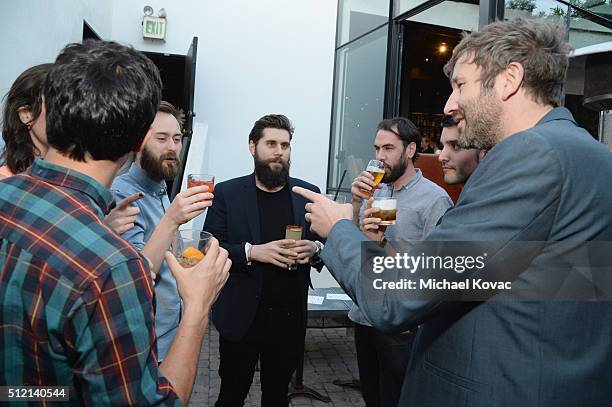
(196, 180)
(190, 245)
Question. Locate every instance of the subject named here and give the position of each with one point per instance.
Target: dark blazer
(233, 218)
(548, 183)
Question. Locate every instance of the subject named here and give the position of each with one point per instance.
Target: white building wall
(254, 58)
(34, 31)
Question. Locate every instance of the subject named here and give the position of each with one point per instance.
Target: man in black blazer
(261, 312)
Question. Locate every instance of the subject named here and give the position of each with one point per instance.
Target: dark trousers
(275, 338)
(382, 360)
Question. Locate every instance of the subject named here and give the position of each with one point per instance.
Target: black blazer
(233, 219)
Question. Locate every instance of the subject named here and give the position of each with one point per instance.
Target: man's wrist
(315, 259)
(195, 315)
(169, 221)
(356, 210)
(383, 241)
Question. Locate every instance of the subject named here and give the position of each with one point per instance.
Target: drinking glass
(377, 169)
(196, 180)
(293, 232)
(387, 210)
(189, 246)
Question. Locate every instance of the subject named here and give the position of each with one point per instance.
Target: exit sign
(154, 27)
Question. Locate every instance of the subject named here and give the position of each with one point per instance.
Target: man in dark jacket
(261, 313)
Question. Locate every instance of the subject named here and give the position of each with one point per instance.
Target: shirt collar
(68, 178)
(558, 113)
(148, 184)
(412, 181)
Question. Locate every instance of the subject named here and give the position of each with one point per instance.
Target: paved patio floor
(330, 355)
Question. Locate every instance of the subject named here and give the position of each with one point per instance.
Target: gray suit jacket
(549, 183)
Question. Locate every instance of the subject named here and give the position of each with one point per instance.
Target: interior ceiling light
(443, 48)
(148, 11)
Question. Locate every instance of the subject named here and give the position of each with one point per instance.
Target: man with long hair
(157, 220)
(382, 358)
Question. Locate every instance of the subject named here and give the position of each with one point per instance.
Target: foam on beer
(385, 204)
(375, 169)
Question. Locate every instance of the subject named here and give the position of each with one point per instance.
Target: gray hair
(539, 46)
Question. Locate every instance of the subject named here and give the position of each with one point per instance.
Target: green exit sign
(154, 27)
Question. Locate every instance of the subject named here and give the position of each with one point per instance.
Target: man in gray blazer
(544, 179)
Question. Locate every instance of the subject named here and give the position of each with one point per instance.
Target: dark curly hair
(101, 98)
(26, 92)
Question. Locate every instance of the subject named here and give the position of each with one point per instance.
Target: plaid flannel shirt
(76, 300)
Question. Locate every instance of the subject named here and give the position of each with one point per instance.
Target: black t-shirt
(281, 287)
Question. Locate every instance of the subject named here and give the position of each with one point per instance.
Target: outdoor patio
(330, 355)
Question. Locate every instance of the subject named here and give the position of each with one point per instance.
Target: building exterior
(390, 54)
(253, 58)
(360, 60)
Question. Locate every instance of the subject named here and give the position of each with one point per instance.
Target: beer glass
(341, 199)
(387, 210)
(189, 246)
(196, 180)
(377, 169)
(293, 232)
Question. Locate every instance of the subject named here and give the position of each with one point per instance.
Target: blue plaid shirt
(76, 300)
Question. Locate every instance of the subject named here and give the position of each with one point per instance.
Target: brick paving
(330, 355)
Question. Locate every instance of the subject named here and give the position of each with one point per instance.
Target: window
(358, 17)
(358, 105)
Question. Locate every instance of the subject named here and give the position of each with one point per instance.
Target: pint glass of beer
(377, 169)
(293, 232)
(196, 180)
(387, 210)
(189, 246)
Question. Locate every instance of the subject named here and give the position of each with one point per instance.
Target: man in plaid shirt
(76, 300)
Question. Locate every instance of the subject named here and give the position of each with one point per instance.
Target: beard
(155, 167)
(272, 178)
(392, 173)
(482, 116)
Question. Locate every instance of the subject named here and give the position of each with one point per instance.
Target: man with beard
(458, 163)
(156, 224)
(261, 313)
(382, 357)
(545, 180)
(76, 299)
